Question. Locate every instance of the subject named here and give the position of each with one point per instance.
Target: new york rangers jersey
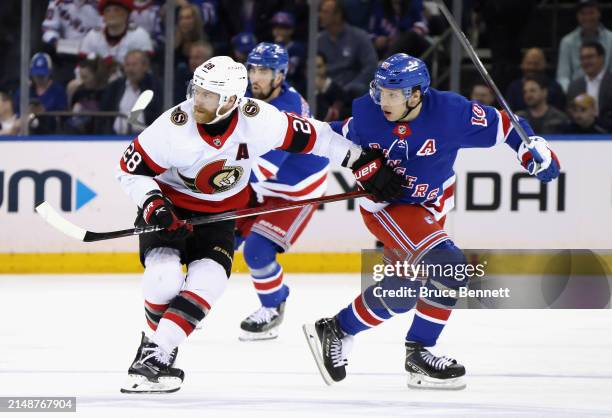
(207, 173)
(98, 44)
(70, 19)
(424, 150)
(286, 175)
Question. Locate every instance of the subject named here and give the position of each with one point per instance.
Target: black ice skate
(426, 371)
(329, 347)
(263, 324)
(152, 371)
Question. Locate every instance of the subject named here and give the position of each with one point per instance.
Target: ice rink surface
(75, 335)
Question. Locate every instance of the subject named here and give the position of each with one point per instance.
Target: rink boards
(497, 206)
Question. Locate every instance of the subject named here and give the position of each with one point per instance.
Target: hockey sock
(154, 312)
(180, 319)
(378, 303)
(266, 273)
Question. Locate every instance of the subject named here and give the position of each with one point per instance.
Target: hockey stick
(485, 75)
(53, 218)
(141, 104)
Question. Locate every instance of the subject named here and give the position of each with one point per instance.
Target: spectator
(398, 25)
(45, 94)
(242, 44)
(584, 116)
(543, 118)
(67, 22)
(189, 29)
(199, 52)
(534, 62)
(482, 94)
(146, 14)
(330, 97)
(283, 25)
(596, 82)
(122, 93)
(116, 38)
(350, 56)
(87, 96)
(9, 123)
(589, 29)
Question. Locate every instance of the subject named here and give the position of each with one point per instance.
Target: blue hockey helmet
(400, 71)
(269, 55)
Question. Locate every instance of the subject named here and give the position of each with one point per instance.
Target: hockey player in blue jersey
(278, 176)
(420, 130)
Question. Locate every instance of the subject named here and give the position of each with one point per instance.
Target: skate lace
(157, 354)
(438, 363)
(335, 352)
(263, 315)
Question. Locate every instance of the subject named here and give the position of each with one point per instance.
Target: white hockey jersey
(70, 19)
(210, 174)
(96, 43)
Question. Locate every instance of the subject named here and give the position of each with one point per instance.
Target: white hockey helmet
(221, 75)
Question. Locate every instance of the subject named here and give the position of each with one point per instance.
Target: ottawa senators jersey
(207, 173)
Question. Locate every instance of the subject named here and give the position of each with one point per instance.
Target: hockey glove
(549, 167)
(376, 177)
(157, 211)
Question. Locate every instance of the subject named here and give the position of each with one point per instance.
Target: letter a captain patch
(428, 148)
(243, 152)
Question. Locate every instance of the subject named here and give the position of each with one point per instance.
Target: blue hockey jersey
(424, 150)
(288, 175)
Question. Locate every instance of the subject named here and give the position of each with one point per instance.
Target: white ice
(75, 335)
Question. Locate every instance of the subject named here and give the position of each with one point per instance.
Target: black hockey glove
(157, 210)
(376, 177)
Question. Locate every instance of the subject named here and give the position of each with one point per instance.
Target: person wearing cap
(45, 94)
(117, 37)
(242, 44)
(589, 28)
(283, 26)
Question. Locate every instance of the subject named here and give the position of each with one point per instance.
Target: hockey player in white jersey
(196, 159)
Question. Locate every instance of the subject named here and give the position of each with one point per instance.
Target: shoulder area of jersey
(255, 108)
(178, 115)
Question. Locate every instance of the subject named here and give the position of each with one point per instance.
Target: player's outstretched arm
(369, 166)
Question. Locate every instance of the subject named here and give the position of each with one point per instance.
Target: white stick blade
(50, 215)
(143, 101)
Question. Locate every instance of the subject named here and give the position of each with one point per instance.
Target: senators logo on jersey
(213, 178)
(178, 116)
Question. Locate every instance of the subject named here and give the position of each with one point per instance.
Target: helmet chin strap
(224, 115)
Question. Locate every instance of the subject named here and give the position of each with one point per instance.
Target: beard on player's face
(202, 115)
(261, 89)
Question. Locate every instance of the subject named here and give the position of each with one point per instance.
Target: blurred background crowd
(91, 58)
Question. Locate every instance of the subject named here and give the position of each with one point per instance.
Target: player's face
(205, 104)
(262, 81)
(392, 103)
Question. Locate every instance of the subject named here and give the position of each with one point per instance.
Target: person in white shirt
(9, 123)
(596, 81)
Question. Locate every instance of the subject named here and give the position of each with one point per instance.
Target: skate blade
(315, 348)
(419, 381)
(258, 336)
(140, 384)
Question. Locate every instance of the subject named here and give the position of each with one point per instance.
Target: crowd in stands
(98, 55)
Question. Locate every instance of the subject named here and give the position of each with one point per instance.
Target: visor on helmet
(388, 96)
(202, 97)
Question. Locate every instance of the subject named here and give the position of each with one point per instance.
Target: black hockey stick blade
(53, 218)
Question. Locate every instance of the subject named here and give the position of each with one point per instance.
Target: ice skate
(329, 347)
(152, 371)
(426, 371)
(263, 324)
